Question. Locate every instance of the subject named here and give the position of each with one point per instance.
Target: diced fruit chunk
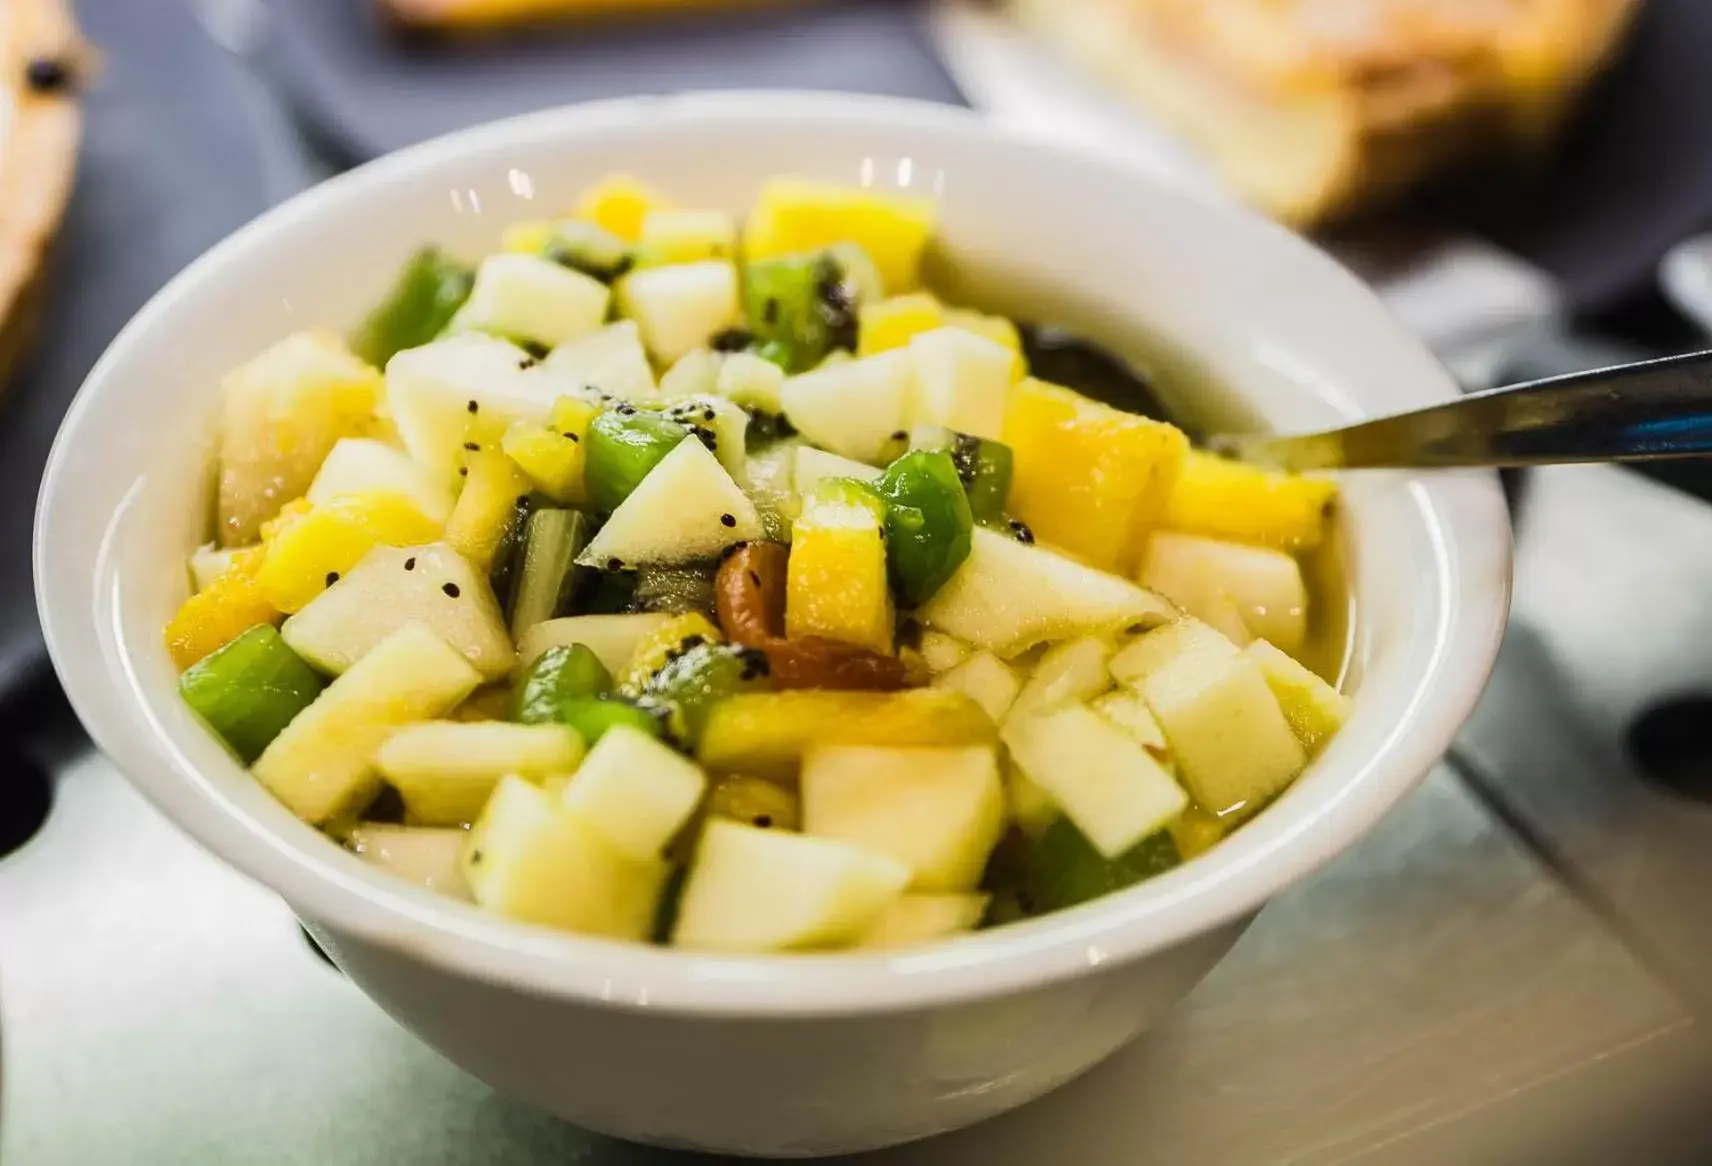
(561, 673)
(441, 391)
(1031, 807)
(766, 734)
(445, 770)
(1162, 645)
(938, 811)
(793, 215)
(361, 465)
(1232, 745)
(1088, 477)
(208, 562)
(1111, 787)
(768, 890)
(928, 523)
(323, 764)
(281, 414)
(612, 638)
(687, 508)
(552, 461)
(1064, 868)
(432, 858)
(1196, 832)
(393, 586)
(546, 573)
(986, 680)
(528, 298)
(486, 508)
(611, 360)
(962, 382)
(678, 308)
(1229, 500)
(718, 424)
(311, 554)
(813, 466)
(1205, 577)
(636, 791)
(1009, 596)
(620, 203)
(671, 638)
(755, 802)
(917, 918)
(249, 690)
(752, 382)
(530, 859)
(1128, 711)
(624, 446)
(800, 306)
(892, 323)
(837, 581)
(855, 409)
(215, 616)
(942, 653)
(688, 687)
(1073, 672)
(428, 291)
(1314, 708)
(674, 236)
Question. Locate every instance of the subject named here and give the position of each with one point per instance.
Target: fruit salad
(703, 581)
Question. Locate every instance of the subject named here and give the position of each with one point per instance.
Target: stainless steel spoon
(1632, 412)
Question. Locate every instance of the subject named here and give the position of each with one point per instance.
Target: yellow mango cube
(308, 555)
(1088, 478)
(1247, 504)
(836, 580)
(218, 614)
(793, 215)
(619, 203)
(673, 236)
(552, 462)
(492, 485)
(891, 323)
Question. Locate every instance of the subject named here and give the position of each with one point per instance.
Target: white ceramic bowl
(785, 1055)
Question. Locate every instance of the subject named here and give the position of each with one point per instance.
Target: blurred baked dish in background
(476, 15)
(1316, 109)
(40, 122)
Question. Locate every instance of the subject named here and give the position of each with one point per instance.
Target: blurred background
(1510, 970)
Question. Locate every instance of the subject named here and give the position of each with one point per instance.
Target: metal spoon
(1632, 412)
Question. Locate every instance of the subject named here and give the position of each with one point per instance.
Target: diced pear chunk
(1009, 596)
(1208, 579)
(765, 890)
(1073, 672)
(678, 514)
(1110, 787)
(1163, 645)
(1314, 708)
(939, 811)
(530, 859)
(853, 408)
(942, 653)
(323, 764)
(916, 918)
(1125, 709)
(680, 306)
(527, 297)
(362, 465)
(430, 858)
(636, 791)
(612, 638)
(1228, 736)
(612, 361)
(986, 680)
(446, 770)
(961, 382)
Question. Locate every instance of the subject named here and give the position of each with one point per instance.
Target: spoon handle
(1633, 412)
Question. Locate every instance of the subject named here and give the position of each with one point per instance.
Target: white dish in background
(780, 1055)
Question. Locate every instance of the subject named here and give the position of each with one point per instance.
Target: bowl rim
(1460, 511)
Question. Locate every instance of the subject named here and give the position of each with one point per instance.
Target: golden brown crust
(39, 157)
(1371, 95)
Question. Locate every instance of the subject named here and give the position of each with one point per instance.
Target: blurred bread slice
(1314, 109)
(477, 15)
(42, 61)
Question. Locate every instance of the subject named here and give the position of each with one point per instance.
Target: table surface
(1506, 971)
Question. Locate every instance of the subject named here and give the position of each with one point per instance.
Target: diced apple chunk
(392, 586)
(430, 858)
(445, 770)
(1128, 711)
(961, 382)
(764, 890)
(1110, 787)
(1314, 708)
(678, 307)
(1009, 596)
(1073, 672)
(1163, 645)
(814, 466)
(1232, 745)
(939, 811)
(687, 508)
(526, 297)
(636, 791)
(986, 680)
(530, 859)
(854, 408)
(361, 465)
(920, 918)
(1210, 579)
(612, 361)
(613, 638)
(323, 764)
